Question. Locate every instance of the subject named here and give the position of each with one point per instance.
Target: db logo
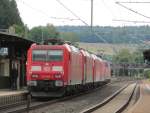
(46, 69)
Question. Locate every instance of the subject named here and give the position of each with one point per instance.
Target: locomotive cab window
(55, 55)
(39, 55)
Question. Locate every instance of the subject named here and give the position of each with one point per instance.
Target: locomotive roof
(94, 56)
(100, 59)
(34, 46)
(74, 49)
(69, 48)
(85, 53)
(64, 46)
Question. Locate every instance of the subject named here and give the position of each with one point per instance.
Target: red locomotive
(53, 70)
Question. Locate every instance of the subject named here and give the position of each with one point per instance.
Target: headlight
(57, 76)
(59, 83)
(57, 68)
(36, 68)
(35, 76)
(32, 83)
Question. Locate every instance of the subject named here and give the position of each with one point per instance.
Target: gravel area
(77, 104)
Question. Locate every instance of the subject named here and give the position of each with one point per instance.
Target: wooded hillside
(128, 34)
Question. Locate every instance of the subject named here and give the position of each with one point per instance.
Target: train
(57, 70)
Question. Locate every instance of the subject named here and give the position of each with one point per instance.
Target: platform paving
(143, 104)
(12, 96)
(12, 92)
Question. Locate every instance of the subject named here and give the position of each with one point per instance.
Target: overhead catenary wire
(70, 19)
(131, 21)
(81, 20)
(92, 30)
(136, 12)
(121, 4)
(135, 2)
(71, 12)
(45, 14)
(108, 8)
(60, 18)
(95, 33)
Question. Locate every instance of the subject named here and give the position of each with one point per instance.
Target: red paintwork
(80, 67)
(72, 65)
(87, 66)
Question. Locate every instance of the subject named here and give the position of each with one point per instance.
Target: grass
(107, 49)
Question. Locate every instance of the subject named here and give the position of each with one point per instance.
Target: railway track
(28, 105)
(25, 106)
(116, 103)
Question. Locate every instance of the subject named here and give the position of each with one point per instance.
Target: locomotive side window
(39, 55)
(55, 55)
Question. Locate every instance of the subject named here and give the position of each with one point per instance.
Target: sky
(41, 12)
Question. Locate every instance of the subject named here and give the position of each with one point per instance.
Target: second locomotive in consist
(54, 70)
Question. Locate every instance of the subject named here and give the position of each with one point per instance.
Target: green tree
(42, 33)
(9, 14)
(69, 36)
(14, 14)
(138, 56)
(123, 56)
(21, 30)
(4, 20)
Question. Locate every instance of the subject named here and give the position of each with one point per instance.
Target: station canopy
(14, 40)
(13, 49)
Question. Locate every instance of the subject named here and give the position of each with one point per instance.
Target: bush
(147, 73)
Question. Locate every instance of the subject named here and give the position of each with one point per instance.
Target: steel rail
(37, 105)
(124, 106)
(107, 100)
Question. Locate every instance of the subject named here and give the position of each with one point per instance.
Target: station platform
(142, 105)
(12, 96)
